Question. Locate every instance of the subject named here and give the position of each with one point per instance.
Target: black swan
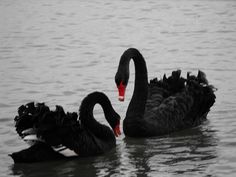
(55, 133)
(162, 106)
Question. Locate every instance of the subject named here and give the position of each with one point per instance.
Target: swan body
(52, 134)
(162, 106)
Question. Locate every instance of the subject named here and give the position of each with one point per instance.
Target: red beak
(121, 89)
(117, 130)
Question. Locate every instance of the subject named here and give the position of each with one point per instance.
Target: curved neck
(87, 106)
(138, 101)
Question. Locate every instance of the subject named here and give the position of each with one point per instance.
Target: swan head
(116, 130)
(114, 122)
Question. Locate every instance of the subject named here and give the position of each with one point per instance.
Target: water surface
(59, 51)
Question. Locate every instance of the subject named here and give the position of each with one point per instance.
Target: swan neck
(138, 101)
(87, 106)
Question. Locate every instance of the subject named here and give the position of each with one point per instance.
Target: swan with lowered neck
(164, 106)
(54, 133)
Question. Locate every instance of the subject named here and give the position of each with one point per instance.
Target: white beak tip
(121, 98)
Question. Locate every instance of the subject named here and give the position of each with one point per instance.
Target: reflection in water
(58, 168)
(180, 153)
(91, 166)
(58, 51)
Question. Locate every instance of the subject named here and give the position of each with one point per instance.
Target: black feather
(167, 105)
(54, 128)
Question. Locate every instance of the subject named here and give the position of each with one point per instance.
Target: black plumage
(52, 129)
(163, 106)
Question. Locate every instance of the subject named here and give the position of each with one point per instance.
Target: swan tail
(193, 95)
(37, 123)
(198, 88)
(172, 84)
(202, 93)
(175, 83)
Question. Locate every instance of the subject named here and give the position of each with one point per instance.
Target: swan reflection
(180, 153)
(86, 167)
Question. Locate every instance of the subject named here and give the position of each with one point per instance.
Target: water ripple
(59, 51)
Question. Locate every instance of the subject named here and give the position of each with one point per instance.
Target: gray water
(58, 51)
